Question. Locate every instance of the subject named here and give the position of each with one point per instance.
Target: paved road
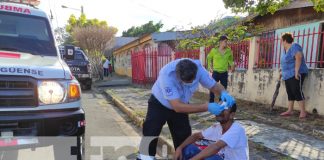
(105, 126)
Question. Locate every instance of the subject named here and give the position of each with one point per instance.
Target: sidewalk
(287, 142)
(114, 80)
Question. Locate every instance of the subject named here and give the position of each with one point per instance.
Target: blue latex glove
(215, 108)
(226, 97)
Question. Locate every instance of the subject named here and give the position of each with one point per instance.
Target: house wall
(123, 64)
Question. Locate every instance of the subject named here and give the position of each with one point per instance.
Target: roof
(157, 37)
(169, 36)
(293, 5)
(120, 41)
(297, 4)
(21, 9)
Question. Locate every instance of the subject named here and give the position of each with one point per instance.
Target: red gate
(138, 74)
(148, 62)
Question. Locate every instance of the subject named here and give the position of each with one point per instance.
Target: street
(104, 122)
(108, 122)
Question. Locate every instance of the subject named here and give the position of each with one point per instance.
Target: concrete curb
(137, 120)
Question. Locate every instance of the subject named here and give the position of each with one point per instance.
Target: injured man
(225, 140)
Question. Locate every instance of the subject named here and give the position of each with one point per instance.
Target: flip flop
(286, 114)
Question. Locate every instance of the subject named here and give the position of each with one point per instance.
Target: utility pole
(51, 16)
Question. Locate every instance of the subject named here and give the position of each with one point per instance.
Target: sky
(124, 14)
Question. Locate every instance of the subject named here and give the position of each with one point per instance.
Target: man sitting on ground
(225, 140)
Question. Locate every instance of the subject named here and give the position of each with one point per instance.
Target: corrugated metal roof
(168, 36)
(293, 5)
(297, 4)
(120, 41)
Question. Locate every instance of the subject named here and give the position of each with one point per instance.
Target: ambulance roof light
(28, 2)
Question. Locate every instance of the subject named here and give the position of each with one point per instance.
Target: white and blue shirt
(169, 87)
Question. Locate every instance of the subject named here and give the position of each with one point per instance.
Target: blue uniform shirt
(288, 62)
(169, 87)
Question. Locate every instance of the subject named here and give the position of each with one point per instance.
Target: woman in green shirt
(219, 61)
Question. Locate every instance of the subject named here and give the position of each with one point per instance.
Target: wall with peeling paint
(259, 86)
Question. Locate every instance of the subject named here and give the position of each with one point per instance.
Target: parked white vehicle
(38, 94)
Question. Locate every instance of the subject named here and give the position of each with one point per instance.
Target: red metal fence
(193, 54)
(240, 53)
(311, 40)
(147, 63)
(138, 67)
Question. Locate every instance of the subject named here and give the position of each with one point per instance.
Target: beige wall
(258, 85)
(123, 64)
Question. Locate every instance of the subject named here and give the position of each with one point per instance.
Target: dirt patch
(313, 125)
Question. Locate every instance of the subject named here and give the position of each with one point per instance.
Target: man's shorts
(294, 88)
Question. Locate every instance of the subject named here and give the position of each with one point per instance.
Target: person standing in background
(219, 61)
(106, 68)
(293, 72)
(110, 68)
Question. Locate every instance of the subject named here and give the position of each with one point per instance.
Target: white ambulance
(38, 94)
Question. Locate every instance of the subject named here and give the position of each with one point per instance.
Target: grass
(194, 117)
(140, 113)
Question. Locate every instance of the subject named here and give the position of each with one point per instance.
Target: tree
(171, 29)
(61, 35)
(94, 40)
(264, 6)
(149, 27)
(93, 36)
(82, 21)
(208, 35)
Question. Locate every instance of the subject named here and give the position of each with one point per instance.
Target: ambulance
(39, 97)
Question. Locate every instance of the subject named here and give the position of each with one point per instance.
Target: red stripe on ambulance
(9, 55)
(9, 142)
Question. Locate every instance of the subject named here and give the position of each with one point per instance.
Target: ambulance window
(26, 33)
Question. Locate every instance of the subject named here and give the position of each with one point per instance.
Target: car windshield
(78, 55)
(28, 34)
